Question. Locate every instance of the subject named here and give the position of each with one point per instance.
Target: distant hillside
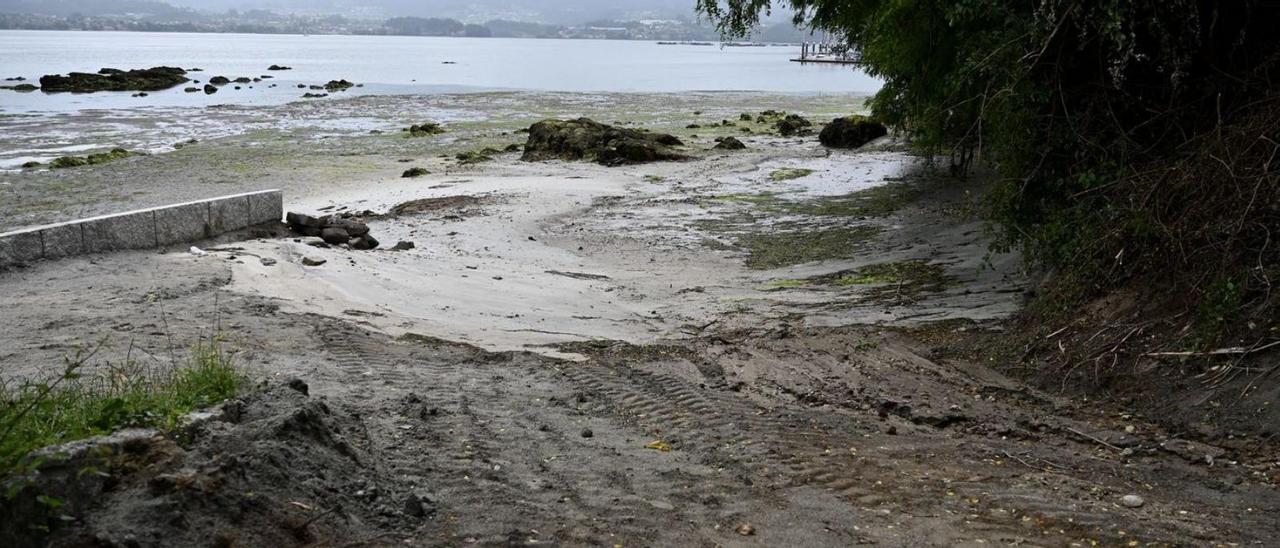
(470, 11)
(554, 12)
(65, 8)
(596, 19)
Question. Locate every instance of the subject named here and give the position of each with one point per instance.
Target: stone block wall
(143, 229)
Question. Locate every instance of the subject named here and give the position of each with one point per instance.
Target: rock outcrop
(414, 172)
(424, 129)
(338, 85)
(108, 79)
(729, 143)
(586, 139)
(851, 132)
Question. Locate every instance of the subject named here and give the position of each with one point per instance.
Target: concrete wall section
(143, 229)
(20, 247)
(182, 223)
(64, 240)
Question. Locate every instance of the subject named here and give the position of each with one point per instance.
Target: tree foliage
(1132, 137)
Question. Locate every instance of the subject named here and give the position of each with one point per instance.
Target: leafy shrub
(1134, 139)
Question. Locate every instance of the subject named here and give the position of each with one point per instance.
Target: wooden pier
(828, 52)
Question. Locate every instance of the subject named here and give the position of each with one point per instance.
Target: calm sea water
(402, 65)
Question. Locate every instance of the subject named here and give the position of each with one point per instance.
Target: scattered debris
(578, 275)
(658, 445)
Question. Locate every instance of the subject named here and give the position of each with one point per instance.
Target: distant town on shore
(149, 16)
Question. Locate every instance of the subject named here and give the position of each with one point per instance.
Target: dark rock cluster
(333, 229)
(109, 79)
(424, 129)
(338, 85)
(586, 139)
(792, 125)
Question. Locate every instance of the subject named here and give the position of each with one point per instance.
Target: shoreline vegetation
(1142, 205)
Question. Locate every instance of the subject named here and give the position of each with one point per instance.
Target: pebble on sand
(1132, 501)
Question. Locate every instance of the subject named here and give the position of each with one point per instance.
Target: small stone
(418, 505)
(587, 433)
(299, 385)
(364, 243)
(746, 530)
(403, 246)
(267, 261)
(335, 236)
(312, 261)
(1132, 501)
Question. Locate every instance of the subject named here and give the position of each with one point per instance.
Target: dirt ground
(694, 354)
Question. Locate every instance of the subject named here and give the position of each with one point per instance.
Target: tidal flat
(307, 147)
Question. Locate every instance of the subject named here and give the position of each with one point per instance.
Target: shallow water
(401, 65)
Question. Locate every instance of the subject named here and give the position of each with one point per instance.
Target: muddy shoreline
(698, 352)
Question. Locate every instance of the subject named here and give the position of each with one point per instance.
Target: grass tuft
(70, 407)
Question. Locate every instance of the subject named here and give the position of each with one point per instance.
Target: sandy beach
(747, 347)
